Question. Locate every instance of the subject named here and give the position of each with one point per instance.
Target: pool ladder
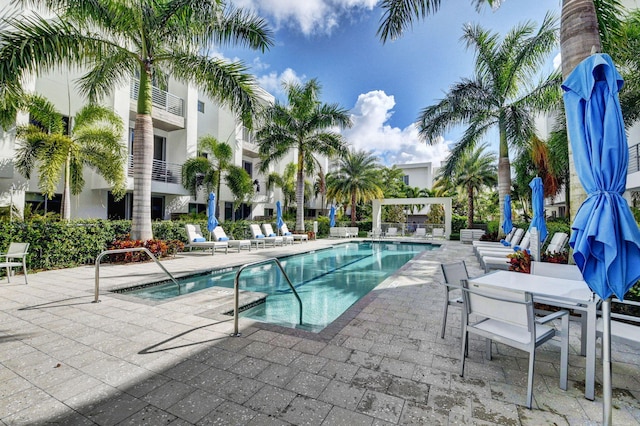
(126, 250)
(236, 292)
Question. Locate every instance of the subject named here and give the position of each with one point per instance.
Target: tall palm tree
(497, 97)
(356, 178)
(416, 192)
(94, 140)
(115, 40)
(200, 171)
(475, 170)
(583, 24)
(302, 126)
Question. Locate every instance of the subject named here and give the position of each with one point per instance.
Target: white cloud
(393, 145)
(557, 61)
(309, 16)
(272, 82)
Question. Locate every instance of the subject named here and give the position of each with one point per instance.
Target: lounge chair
(437, 233)
(258, 237)
(391, 232)
(512, 240)
(556, 244)
(507, 238)
(220, 235)
(499, 251)
(296, 237)
(420, 233)
(196, 240)
(267, 229)
(15, 257)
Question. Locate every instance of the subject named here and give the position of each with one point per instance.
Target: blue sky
(384, 86)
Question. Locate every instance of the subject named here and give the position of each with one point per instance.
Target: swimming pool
(328, 281)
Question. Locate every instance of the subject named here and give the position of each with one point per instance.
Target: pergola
(445, 201)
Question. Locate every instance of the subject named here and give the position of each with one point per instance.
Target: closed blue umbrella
(332, 217)
(537, 201)
(507, 224)
(212, 222)
(279, 221)
(605, 237)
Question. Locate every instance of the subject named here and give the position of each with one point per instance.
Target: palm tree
(286, 182)
(116, 40)
(581, 31)
(303, 126)
(93, 141)
(200, 171)
(357, 178)
(495, 97)
(475, 170)
(240, 185)
(416, 192)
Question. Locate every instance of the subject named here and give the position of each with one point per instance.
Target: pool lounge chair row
(260, 238)
(343, 232)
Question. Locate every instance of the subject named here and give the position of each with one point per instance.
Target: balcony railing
(634, 159)
(160, 99)
(161, 171)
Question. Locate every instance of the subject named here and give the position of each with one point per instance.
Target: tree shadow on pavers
(57, 304)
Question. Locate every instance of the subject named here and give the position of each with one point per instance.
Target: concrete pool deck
(65, 360)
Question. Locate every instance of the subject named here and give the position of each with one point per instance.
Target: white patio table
(560, 292)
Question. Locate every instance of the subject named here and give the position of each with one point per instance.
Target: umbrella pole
(606, 362)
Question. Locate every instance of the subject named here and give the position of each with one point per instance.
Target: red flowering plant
(159, 248)
(520, 261)
(556, 257)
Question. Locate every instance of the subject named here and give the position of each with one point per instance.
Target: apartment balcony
(168, 109)
(165, 177)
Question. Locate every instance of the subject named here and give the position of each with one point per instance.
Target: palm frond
(399, 15)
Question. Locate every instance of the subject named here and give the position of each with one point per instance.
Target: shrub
(558, 257)
(159, 248)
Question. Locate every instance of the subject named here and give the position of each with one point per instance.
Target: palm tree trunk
(469, 206)
(504, 171)
(142, 163)
(66, 192)
(578, 36)
(300, 193)
(353, 208)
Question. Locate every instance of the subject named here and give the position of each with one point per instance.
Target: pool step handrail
(125, 250)
(236, 292)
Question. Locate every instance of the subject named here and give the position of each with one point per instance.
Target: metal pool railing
(236, 293)
(126, 250)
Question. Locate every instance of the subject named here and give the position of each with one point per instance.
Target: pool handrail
(236, 288)
(125, 250)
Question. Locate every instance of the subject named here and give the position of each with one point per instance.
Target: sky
(384, 86)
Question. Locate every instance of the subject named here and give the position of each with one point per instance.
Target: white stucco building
(181, 115)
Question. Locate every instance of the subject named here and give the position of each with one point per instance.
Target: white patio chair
(268, 232)
(392, 232)
(15, 257)
(453, 273)
(196, 240)
(624, 328)
(499, 251)
(296, 237)
(220, 235)
(258, 236)
(437, 233)
(507, 316)
(420, 233)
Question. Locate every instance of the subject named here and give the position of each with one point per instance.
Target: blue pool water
(328, 281)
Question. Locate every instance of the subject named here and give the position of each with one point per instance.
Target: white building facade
(181, 115)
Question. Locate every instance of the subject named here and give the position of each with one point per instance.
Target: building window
(562, 211)
(268, 212)
(201, 107)
(40, 204)
(196, 208)
(405, 179)
(248, 166)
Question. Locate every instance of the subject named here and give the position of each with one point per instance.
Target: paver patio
(65, 360)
